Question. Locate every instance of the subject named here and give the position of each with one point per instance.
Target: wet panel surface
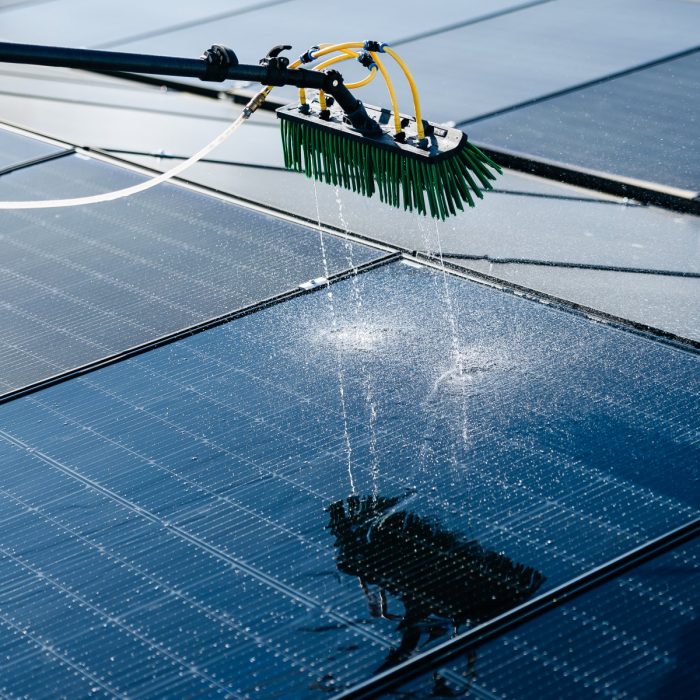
(669, 302)
(78, 284)
(637, 636)
(255, 488)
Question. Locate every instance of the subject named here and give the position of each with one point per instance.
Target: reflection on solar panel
(659, 143)
(16, 149)
(206, 516)
(79, 284)
(637, 636)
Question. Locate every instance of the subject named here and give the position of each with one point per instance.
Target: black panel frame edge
(644, 193)
(444, 653)
(589, 313)
(194, 329)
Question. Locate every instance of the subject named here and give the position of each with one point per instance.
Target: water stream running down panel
(288, 503)
(78, 284)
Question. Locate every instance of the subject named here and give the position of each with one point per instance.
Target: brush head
(444, 168)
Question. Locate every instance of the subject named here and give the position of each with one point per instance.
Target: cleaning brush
(444, 167)
(419, 161)
(423, 166)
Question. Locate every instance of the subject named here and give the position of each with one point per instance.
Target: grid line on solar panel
(239, 375)
(84, 603)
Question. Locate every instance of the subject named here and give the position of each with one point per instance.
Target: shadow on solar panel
(442, 579)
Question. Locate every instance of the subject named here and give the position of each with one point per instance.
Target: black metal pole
(89, 59)
(217, 64)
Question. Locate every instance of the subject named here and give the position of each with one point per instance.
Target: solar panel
(636, 636)
(347, 25)
(16, 149)
(656, 142)
(551, 41)
(524, 221)
(79, 284)
(478, 69)
(58, 25)
(241, 484)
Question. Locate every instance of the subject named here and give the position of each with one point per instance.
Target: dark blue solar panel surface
(208, 515)
(16, 149)
(78, 284)
(643, 125)
(637, 636)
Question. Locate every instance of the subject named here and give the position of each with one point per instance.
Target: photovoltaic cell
(16, 149)
(288, 503)
(81, 283)
(636, 636)
(657, 141)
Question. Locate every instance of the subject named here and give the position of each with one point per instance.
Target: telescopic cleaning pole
(216, 64)
(422, 166)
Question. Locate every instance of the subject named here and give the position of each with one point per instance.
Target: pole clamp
(218, 60)
(276, 65)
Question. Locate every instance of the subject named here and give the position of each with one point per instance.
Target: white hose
(248, 110)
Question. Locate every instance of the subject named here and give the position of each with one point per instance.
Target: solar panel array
(658, 142)
(292, 502)
(227, 512)
(82, 283)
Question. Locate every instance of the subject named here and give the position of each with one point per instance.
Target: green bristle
(446, 183)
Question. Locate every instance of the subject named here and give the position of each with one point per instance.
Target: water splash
(338, 355)
(367, 338)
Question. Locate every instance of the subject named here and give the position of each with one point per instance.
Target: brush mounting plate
(439, 144)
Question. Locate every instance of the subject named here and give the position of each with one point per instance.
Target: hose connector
(309, 55)
(365, 59)
(375, 46)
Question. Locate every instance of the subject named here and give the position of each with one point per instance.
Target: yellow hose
(365, 81)
(414, 90)
(347, 53)
(390, 87)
